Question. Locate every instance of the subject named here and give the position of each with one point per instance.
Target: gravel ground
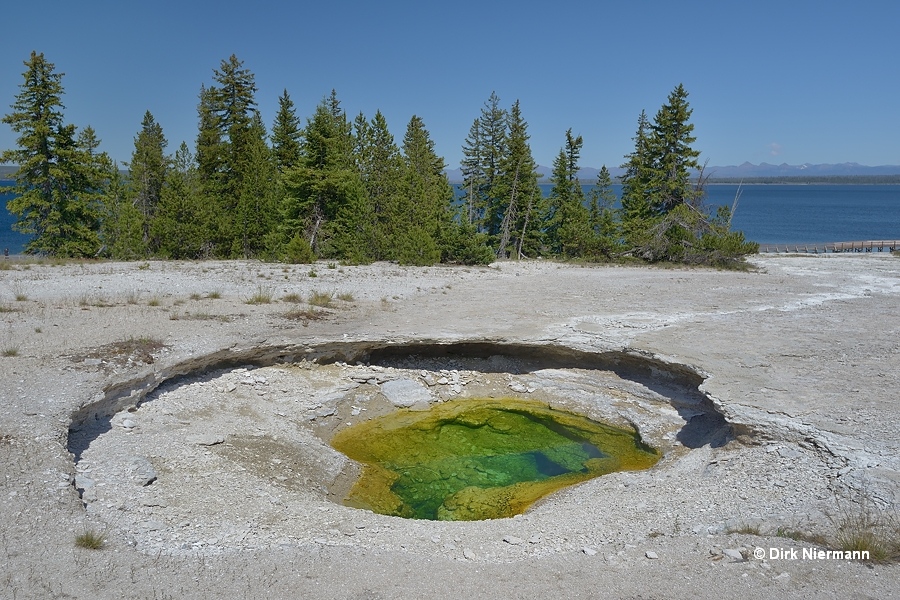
(182, 410)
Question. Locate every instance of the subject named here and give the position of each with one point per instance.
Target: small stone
(511, 539)
(589, 551)
(468, 554)
(141, 471)
(518, 387)
(129, 424)
(782, 576)
(83, 483)
(651, 554)
(443, 381)
(92, 362)
(732, 553)
(405, 392)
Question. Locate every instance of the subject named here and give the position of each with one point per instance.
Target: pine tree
(286, 134)
(603, 223)
(181, 221)
(493, 134)
(147, 172)
(568, 221)
(381, 168)
(637, 182)
(472, 166)
(235, 165)
(520, 198)
(671, 155)
(122, 223)
(56, 196)
(325, 205)
(428, 197)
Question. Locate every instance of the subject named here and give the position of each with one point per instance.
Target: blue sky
(769, 81)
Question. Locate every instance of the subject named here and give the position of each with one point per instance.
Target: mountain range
(746, 170)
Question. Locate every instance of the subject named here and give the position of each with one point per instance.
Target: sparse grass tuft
(331, 265)
(196, 296)
(866, 528)
(199, 316)
(263, 295)
(321, 299)
(312, 273)
(745, 529)
(800, 535)
(10, 352)
(346, 297)
(305, 315)
(154, 301)
(6, 266)
(214, 295)
(89, 540)
(7, 309)
(292, 297)
(143, 266)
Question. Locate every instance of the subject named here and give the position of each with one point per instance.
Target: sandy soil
(152, 403)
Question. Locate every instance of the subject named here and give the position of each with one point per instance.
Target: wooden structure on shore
(866, 246)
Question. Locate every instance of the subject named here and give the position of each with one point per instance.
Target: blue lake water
(768, 214)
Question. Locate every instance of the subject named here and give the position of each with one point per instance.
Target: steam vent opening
(473, 459)
(306, 436)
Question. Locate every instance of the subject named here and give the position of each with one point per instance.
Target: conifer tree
(519, 197)
(56, 193)
(672, 158)
(325, 208)
(286, 134)
(428, 197)
(181, 221)
(122, 223)
(473, 175)
(637, 184)
(381, 168)
(568, 221)
(147, 172)
(603, 223)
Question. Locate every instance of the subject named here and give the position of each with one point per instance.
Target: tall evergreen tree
(428, 198)
(671, 155)
(325, 209)
(381, 168)
(181, 221)
(568, 220)
(56, 201)
(472, 166)
(637, 183)
(235, 166)
(286, 134)
(519, 197)
(122, 223)
(603, 222)
(147, 172)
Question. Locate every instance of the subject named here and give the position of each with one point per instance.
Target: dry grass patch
(263, 295)
(293, 297)
(199, 316)
(321, 299)
(90, 540)
(131, 350)
(305, 315)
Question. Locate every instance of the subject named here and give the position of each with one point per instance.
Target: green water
(477, 459)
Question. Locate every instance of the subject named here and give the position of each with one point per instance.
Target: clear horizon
(796, 83)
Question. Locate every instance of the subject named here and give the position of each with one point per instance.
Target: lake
(768, 214)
